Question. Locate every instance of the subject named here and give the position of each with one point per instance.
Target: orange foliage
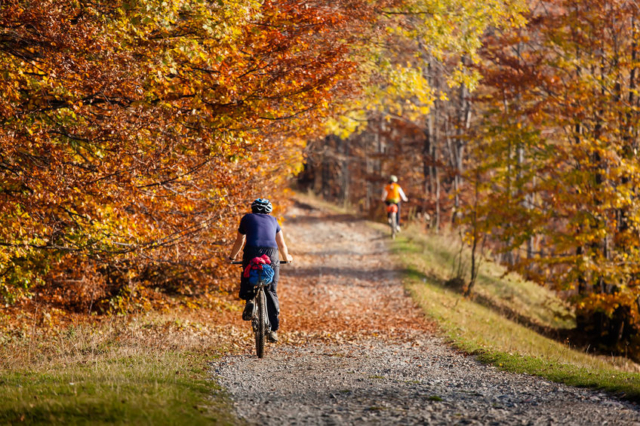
(135, 132)
(557, 155)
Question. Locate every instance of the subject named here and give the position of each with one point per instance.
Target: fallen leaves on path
(343, 286)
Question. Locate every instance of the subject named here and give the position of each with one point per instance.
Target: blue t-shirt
(260, 229)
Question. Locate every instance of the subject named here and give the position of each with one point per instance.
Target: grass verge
(493, 333)
(151, 370)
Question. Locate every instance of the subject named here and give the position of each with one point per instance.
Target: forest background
(135, 133)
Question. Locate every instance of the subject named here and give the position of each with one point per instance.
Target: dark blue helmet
(261, 205)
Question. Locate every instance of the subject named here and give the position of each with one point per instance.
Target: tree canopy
(135, 131)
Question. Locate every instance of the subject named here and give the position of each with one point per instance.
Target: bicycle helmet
(393, 178)
(261, 205)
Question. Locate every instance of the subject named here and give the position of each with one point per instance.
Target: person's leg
(247, 292)
(388, 203)
(246, 289)
(273, 305)
(398, 214)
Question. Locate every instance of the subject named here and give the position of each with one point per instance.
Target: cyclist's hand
(289, 258)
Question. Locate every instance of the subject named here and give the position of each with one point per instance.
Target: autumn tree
(558, 156)
(133, 132)
(416, 108)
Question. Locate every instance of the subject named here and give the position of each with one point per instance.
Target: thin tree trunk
(464, 121)
(475, 261)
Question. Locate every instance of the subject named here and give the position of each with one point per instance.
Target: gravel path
(356, 350)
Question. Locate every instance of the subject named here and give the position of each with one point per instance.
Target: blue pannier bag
(261, 272)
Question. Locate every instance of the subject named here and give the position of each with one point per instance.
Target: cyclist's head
(393, 179)
(261, 205)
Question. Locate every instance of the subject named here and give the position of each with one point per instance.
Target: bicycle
(392, 209)
(260, 317)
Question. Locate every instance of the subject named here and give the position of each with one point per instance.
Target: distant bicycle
(260, 317)
(392, 195)
(392, 210)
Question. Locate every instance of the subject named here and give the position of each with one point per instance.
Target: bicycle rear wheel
(261, 327)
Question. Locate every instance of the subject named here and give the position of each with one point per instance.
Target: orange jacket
(393, 193)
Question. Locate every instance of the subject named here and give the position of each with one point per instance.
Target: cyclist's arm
(282, 246)
(404, 197)
(237, 245)
(384, 194)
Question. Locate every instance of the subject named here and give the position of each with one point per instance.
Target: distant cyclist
(262, 235)
(393, 194)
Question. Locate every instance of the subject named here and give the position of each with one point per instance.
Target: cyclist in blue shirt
(260, 234)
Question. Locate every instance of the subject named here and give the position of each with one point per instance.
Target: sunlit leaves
(417, 33)
(135, 131)
(558, 153)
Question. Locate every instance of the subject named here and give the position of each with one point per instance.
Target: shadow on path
(369, 277)
(341, 218)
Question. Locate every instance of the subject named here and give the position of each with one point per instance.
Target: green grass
(106, 375)
(509, 293)
(487, 326)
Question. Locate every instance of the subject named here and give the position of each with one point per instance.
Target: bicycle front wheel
(261, 329)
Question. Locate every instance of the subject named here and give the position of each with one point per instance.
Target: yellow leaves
(439, 32)
(406, 94)
(347, 123)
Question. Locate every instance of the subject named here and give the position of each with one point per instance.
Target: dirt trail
(355, 349)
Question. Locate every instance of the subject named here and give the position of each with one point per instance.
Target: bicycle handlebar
(240, 262)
